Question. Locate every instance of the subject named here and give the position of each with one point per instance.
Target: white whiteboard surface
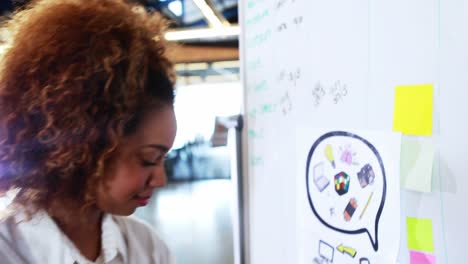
(335, 64)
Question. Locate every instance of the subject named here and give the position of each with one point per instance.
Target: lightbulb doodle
(346, 184)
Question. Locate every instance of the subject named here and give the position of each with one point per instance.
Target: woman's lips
(142, 200)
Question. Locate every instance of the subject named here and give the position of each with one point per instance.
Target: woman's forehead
(157, 129)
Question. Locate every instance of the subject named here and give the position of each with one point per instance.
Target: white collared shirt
(39, 240)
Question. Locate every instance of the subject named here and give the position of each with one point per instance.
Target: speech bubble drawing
(346, 192)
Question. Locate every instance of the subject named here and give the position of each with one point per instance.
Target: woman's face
(138, 165)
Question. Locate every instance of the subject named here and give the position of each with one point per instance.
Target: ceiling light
(225, 64)
(209, 13)
(176, 7)
(197, 66)
(202, 33)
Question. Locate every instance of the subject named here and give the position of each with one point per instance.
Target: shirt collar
(113, 241)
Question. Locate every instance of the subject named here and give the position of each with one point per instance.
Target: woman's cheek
(134, 180)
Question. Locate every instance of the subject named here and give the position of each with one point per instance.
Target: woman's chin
(123, 211)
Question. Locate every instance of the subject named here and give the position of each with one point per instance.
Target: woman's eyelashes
(152, 160)
(146, 163)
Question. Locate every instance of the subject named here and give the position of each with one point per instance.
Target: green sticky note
(419, 234)
(417, 158)
(413, 109)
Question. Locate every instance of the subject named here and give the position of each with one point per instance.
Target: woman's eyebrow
(157, 146)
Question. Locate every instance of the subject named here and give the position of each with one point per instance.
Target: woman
(86, 115)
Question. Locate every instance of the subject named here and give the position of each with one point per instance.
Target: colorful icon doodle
(347, 250)
(357, 210)
(350, 209)
(329, 155)
(342, 183)
(366, 176)
(367, 205)
(320, 181)
(326, 253)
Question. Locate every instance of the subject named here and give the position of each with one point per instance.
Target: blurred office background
(195, 213)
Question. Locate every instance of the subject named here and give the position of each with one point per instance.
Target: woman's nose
(158, 177)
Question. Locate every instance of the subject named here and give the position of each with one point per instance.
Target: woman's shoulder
(143, 238)
(8, 225)
(10, 250)
(14, 223)
(22, 237)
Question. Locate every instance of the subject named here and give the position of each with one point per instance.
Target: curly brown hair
(76, 78)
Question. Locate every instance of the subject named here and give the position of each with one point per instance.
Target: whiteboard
(335, 64)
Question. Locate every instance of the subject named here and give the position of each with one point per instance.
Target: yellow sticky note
(413, 109)
(419, 234)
